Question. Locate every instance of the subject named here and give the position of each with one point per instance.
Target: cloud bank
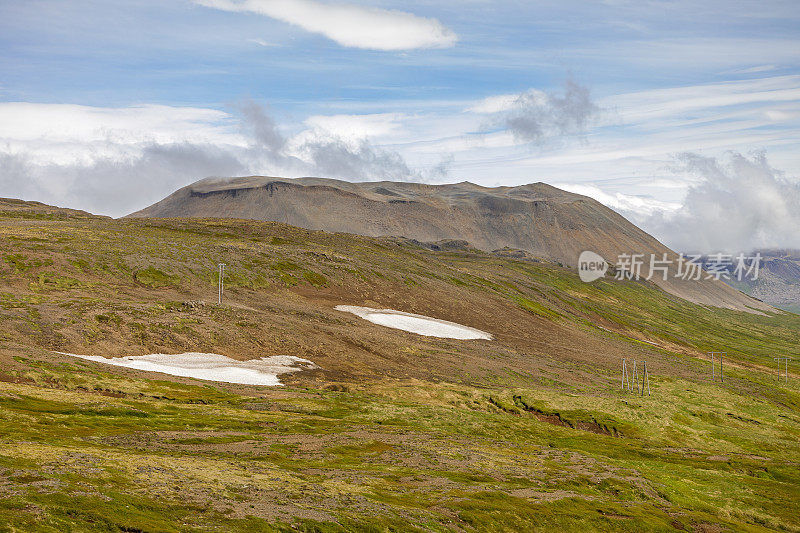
(107, 161)
(741, 204)
(534, 115)
(631, 205)
(348, 24)
(117, 160)
(323, 152)
(115, 185)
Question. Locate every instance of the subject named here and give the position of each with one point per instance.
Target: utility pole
(625, 375)
(718, 356)
(712, 366)
(638, 377)
(785, 360)
(221, 284)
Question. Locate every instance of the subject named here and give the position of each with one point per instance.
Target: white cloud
(262, 42)
(69, 134)
(634, 139)
(350, 25)
(354, 161)
(496, 104)
(741, 204)
(713, 54)
(625, 203)
(647, 106)
(534, 115)
(326, 152)
(358, 126)
(27, 121)
(626, 160)
(116, 160)
(115, 184)
(755, 70)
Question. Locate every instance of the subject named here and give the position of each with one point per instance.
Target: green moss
(155, 278)
(285, 266)
(50, 281)
(20, 263)
(81, 264)
(109, 318)
(501, 403)
(317, 280)
(536, 308)
(11, 301)
(214, 440)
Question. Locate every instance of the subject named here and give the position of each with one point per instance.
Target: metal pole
(626, 381)
(623, 374)
(221, 283)
(721, 378)
(713, 376)
(644, 374)
(785, 368)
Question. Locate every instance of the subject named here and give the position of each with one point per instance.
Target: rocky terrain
(539, 219)
(779, 280)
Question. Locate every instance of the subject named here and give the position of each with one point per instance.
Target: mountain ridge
(537, 218)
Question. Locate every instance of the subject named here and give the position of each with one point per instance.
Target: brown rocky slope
(540, 219)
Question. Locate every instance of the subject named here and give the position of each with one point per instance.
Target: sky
(684, 116)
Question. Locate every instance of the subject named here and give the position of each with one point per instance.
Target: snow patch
(419, 324)
(210, 366)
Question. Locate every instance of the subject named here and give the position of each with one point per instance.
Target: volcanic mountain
(537, 218)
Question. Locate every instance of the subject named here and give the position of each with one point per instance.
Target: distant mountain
(778, 282)
(537, 218)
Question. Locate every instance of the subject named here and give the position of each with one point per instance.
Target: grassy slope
(527, 432)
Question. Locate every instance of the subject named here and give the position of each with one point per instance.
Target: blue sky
(112, 53)
(110, 105)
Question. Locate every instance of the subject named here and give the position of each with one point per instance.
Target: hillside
(529, 431)
(537, 218)
(779, 280)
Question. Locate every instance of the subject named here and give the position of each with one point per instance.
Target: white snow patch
(419, 324)
(210, 366)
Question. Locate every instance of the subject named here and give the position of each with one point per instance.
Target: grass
(156, 460)
(155, 278)
(396, 432)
